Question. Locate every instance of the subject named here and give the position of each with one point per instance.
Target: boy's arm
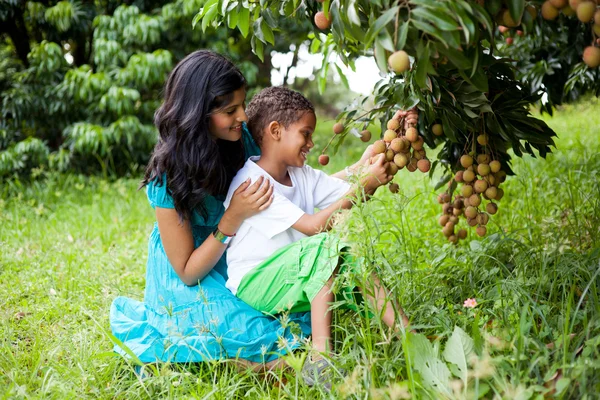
(311, 224)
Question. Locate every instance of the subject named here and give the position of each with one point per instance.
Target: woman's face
(226, 123)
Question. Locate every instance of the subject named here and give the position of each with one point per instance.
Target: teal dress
(179, 323)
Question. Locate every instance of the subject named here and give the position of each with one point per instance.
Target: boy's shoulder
(249, 170)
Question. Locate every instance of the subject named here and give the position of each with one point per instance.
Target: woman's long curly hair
(196, 165)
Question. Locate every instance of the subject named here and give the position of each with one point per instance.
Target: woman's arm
(192, 264)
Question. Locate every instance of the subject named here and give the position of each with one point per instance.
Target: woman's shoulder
(158, 194)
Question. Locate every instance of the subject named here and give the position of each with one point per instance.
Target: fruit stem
(328, 143)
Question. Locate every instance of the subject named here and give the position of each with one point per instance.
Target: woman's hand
(376, 174)
(411, 117)
(247, 200)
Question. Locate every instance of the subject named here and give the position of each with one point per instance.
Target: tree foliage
(80, 81)
(461, 76)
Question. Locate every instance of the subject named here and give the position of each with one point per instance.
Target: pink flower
(470, 303)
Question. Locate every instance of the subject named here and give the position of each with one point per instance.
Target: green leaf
(232, 19)
(380, 57)
(379, 24)
(422, 65)
(440, 20)
(458, 350)
(257, 48)
(516, 7)
(342, 76)
(433, 370)
(267, 33)
(244, 21)
(426, 28)
(402, 34)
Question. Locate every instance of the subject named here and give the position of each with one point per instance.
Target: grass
(69, 245)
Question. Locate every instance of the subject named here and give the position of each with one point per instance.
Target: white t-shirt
(268, 231)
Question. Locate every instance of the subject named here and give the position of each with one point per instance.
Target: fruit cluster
(586, 11)
(481, 177)
(403, 147)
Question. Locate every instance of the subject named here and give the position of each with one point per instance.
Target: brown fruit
(412, 134)
(468, 176)
(591, 55)
(490, 179)
(338, 128)
(471, 212)
(458, 177)
(520, 33)
(365, 135)
(392, 168)
(574, 4)
(491, 192)
(444, 198)
(437, 129)
(396, 144)
(424, 165)
(454, 219)
(483, 139)
(321, 21)
(466, 161)
(472, 221)
(549, 12)
(412, 165)
(419, 154)
(483, 169)
(401, 160)
(466, 190)
(532, 11)
(457, 211)
(597, 17)
(453, 239)
(393, 124)
(462, 233)
(508, 20)
(596, 29)
(483, 159)
(399, 61)
(389, 135)
(474, 200)
(499, 194)
(379, 147)
(418, 144)
(481, 231)
(585, 11)
(323, 159)
(448, 229)
(559, 3)
(483, 218)
(503, 29)
(389, 155)
(458, 203)
(491, 208)
(480, 186)
(509, 41)
(495, 166)
(394, 187)
(447, 208)
(443, 220)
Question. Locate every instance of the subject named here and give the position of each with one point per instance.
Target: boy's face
(296, 140)
(226, 123)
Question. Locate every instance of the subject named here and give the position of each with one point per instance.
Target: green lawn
(69, 245)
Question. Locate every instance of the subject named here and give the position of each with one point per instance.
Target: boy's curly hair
(275, 103)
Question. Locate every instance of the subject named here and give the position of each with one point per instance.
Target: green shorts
(292, 276)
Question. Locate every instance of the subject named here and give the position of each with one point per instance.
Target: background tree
(80, 80)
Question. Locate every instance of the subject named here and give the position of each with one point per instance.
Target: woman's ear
(274, 130)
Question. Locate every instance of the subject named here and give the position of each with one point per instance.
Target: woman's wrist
(229, 224)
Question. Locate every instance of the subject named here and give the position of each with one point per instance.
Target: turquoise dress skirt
(179, 323)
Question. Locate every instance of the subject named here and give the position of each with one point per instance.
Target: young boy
(278, 260)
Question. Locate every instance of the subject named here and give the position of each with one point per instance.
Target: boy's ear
(274, 130)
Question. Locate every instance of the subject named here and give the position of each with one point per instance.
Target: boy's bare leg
(380, 299)
(320, 318)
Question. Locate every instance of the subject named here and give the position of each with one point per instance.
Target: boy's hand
(377, 174)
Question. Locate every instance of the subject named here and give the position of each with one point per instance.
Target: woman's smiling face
(226, 123)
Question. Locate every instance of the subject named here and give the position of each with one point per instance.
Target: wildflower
(470, 303)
